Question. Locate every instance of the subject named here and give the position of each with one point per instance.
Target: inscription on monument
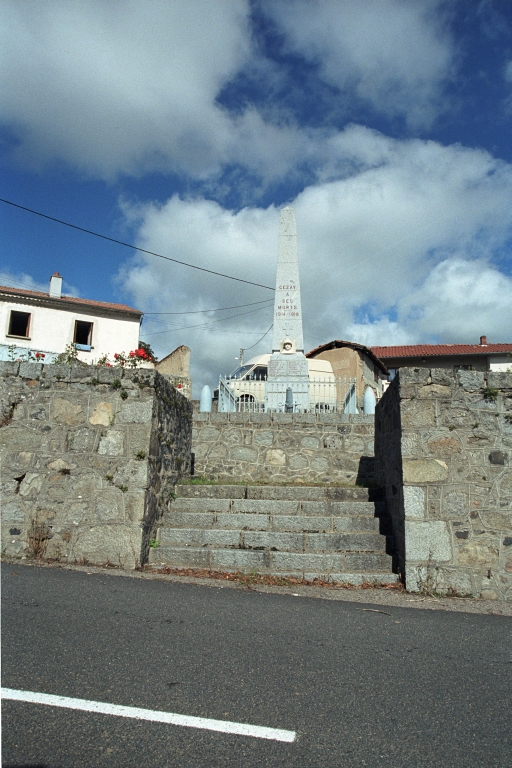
(287, 301)
(277, 368)
(295, 368)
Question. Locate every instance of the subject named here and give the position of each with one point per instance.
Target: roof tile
(73, 299)
(435, 350)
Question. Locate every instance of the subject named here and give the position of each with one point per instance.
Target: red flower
(116, 356)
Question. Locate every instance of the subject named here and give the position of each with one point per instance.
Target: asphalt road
(360, 687)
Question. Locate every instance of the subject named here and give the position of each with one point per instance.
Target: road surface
(352, 684)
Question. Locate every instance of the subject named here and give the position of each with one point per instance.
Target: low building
(41, 325)
(176, 367)
(354, 361)
(469, 357)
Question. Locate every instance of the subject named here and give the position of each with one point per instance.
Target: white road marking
(224, 726)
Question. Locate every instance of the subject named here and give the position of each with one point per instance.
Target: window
(240, 372)
(19, 324)
(83, 335)
(259, 373)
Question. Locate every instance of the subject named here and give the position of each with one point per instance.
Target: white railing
(326, 395)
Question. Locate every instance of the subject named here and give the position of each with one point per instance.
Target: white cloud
(393, 54)
(383, 332)
(471, 298)
(121, 86)
(130, 88)
(398, 250)
(202, 232)
(22, 280)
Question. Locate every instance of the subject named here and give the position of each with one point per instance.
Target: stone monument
(288, 366)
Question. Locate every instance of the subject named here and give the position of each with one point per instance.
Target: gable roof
(337, 343)
(440, 350)
(21, 293)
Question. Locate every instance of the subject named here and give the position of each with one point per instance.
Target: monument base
(287, 371)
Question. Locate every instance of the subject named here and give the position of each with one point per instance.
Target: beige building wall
(353, 364)
(176, 366)
(177, 363)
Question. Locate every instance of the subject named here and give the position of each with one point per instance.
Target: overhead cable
(204, 325)
(246, 349)
(134, 247)
(201, 311)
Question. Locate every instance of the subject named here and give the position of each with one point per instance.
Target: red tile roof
(430, 350)
(82, 302)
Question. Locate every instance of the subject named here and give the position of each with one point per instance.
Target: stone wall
(89, 457)
(284, 447)
(444, 446)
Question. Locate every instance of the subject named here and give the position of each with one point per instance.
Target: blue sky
(183, 127)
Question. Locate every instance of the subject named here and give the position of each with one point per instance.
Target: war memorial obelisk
(288, 366)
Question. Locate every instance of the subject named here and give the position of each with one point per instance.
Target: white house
(32, 321)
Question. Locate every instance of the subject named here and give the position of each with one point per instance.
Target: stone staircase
(330, 533)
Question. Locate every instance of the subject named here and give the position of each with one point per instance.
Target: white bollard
(369, 401)
(205, 403)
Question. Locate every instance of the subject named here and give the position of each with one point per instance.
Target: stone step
(274, 540)
(264, 522)
(276, 492)
(343, 567)
(277, 507)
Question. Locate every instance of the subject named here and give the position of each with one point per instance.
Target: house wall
(177, 363)
(284, 447)
(501, 363)
(443, 445)
(350, 363)
(478, 362)
(176, 367)
(51, 329)
(89, 457)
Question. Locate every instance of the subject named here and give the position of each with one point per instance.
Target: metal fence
(326, 395)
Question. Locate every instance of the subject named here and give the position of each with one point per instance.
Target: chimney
(483, 341)
(56, 286)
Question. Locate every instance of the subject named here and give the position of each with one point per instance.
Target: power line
(19, 284)
(257, 342)
(134, 247)
(201, 311)
(204, 325)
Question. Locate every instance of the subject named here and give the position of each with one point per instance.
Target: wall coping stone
(30, 370)
(325, 419)
(9, 368)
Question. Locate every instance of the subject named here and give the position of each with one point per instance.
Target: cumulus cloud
(400, 249)
(242, 244)
(471, 296)
(130, 88)
(394, 55)
(121, 86)
(22, 280)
